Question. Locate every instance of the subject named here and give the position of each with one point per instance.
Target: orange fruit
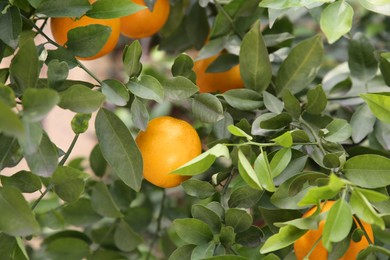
(145, 23)
(219, 81)
(61, 26)
(304, 244)
(166, 144)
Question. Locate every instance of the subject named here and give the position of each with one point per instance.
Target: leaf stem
(314, 134)
(49, 187)
(360, 224)
(66, 156)
(159, 220)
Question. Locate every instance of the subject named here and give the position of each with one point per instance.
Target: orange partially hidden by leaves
(61, 26)
(209, 82)
(167, 144)
(145, 23)
(305, 243)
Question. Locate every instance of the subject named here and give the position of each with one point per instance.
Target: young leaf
(207, 108)
(80, 123)
(368, 171)
(255, 66)
(16, 218)
(234, 130)
(119, 149)
(308, 54)
(264, 172)
(379, 104)
(193, 231)
(280, 161)
(147, 87)
(247, 172)
(286, 236)
(131, 59)
(107, 9)
(203, 162)
(336, 20)
(285, 140)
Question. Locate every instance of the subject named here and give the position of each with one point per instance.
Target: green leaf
(247, 173)
(272, 103)
(364, 210)
(70, 8)
(207, 108)
(208, 216)
(119, 149)
(336, 20)
(338, 130)
(264, 172)
(285, 140)
(300, 68)
(362, 62)
(115, 92)
(198, 188)
(384, 66)
(68, 183)
(105, 9)
(239, 219)
(182, 253)
(338, 223)
(291, 104)
(204, 161)
(243, 99)
(7, 96)
(37, 103)
(359, 130)
(103, 203)
(244, 197)
(10, 122)
(81, 99)
(251, 237)
(193, 231)
(381, 7)
(220, 127)
(59, 248)
(182, 66)
(316, 101)
(280, 161)
(86, 41)
(80, 123)
(234, 130)
(286, 236)
(16, 218)
(10, 151)
(25, 181)
(24, 68)
(139, 114)
(97, 162)
(131, 59)
(368, 170)
(178, 88)
(57, 72)
(227, 236)
(277, 121)
(11, 26)
(255, 66)
(44, 161)
(223, 62)
(80, 213)
(379, 104)
(126, 239)
(147, 87)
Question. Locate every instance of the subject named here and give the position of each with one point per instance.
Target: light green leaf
(234, 130)
(285, 140)
(338, 130)
(286, 236)
(364, 210)
(280, 161)
(336, 20)
(247, 173)
(272, 103)
(381, 7)
(263, 172)
(119, 149)
(379, 104)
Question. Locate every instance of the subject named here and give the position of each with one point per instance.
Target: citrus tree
(256, 130)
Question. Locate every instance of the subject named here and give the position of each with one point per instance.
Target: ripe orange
(219, 81)
(145, 23)
(61, 26)
(166, 144)
(305, 243)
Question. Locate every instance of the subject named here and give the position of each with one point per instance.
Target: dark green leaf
(227, 236)
(68, 183)
(97, 161)
(362, 62)
(384, 66)
(239, 219)
(131, 59)
(198, 188)
(178, 88)
(11, 22)
(369, 170)
(44, 161)
(80, 213)
(291, 104)
(243, 99)
(10, 151)
(86, 41)
(207, 108)
(119, 149)
(251, 237)
(81, 99)
(61, 54)
(16, 218)
(301, 66)
(147, 87)
(182, 253)
(208, 216)
(7, 96)
(126, 239)
(277, 121)
(59, 248)
(139, 114)
(25, 181)
(316, 101)
(198, 31)
(223, 62)
(105, 9)
(255, 66)
(37, 103)
(70, 8)
(193, 231)
(244, 197)
(182, 66)
(57, 72)
(10, 122)
(115, 92)
(103, 203)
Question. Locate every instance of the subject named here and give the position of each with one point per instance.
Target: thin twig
(66, 156)
(159, 220)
